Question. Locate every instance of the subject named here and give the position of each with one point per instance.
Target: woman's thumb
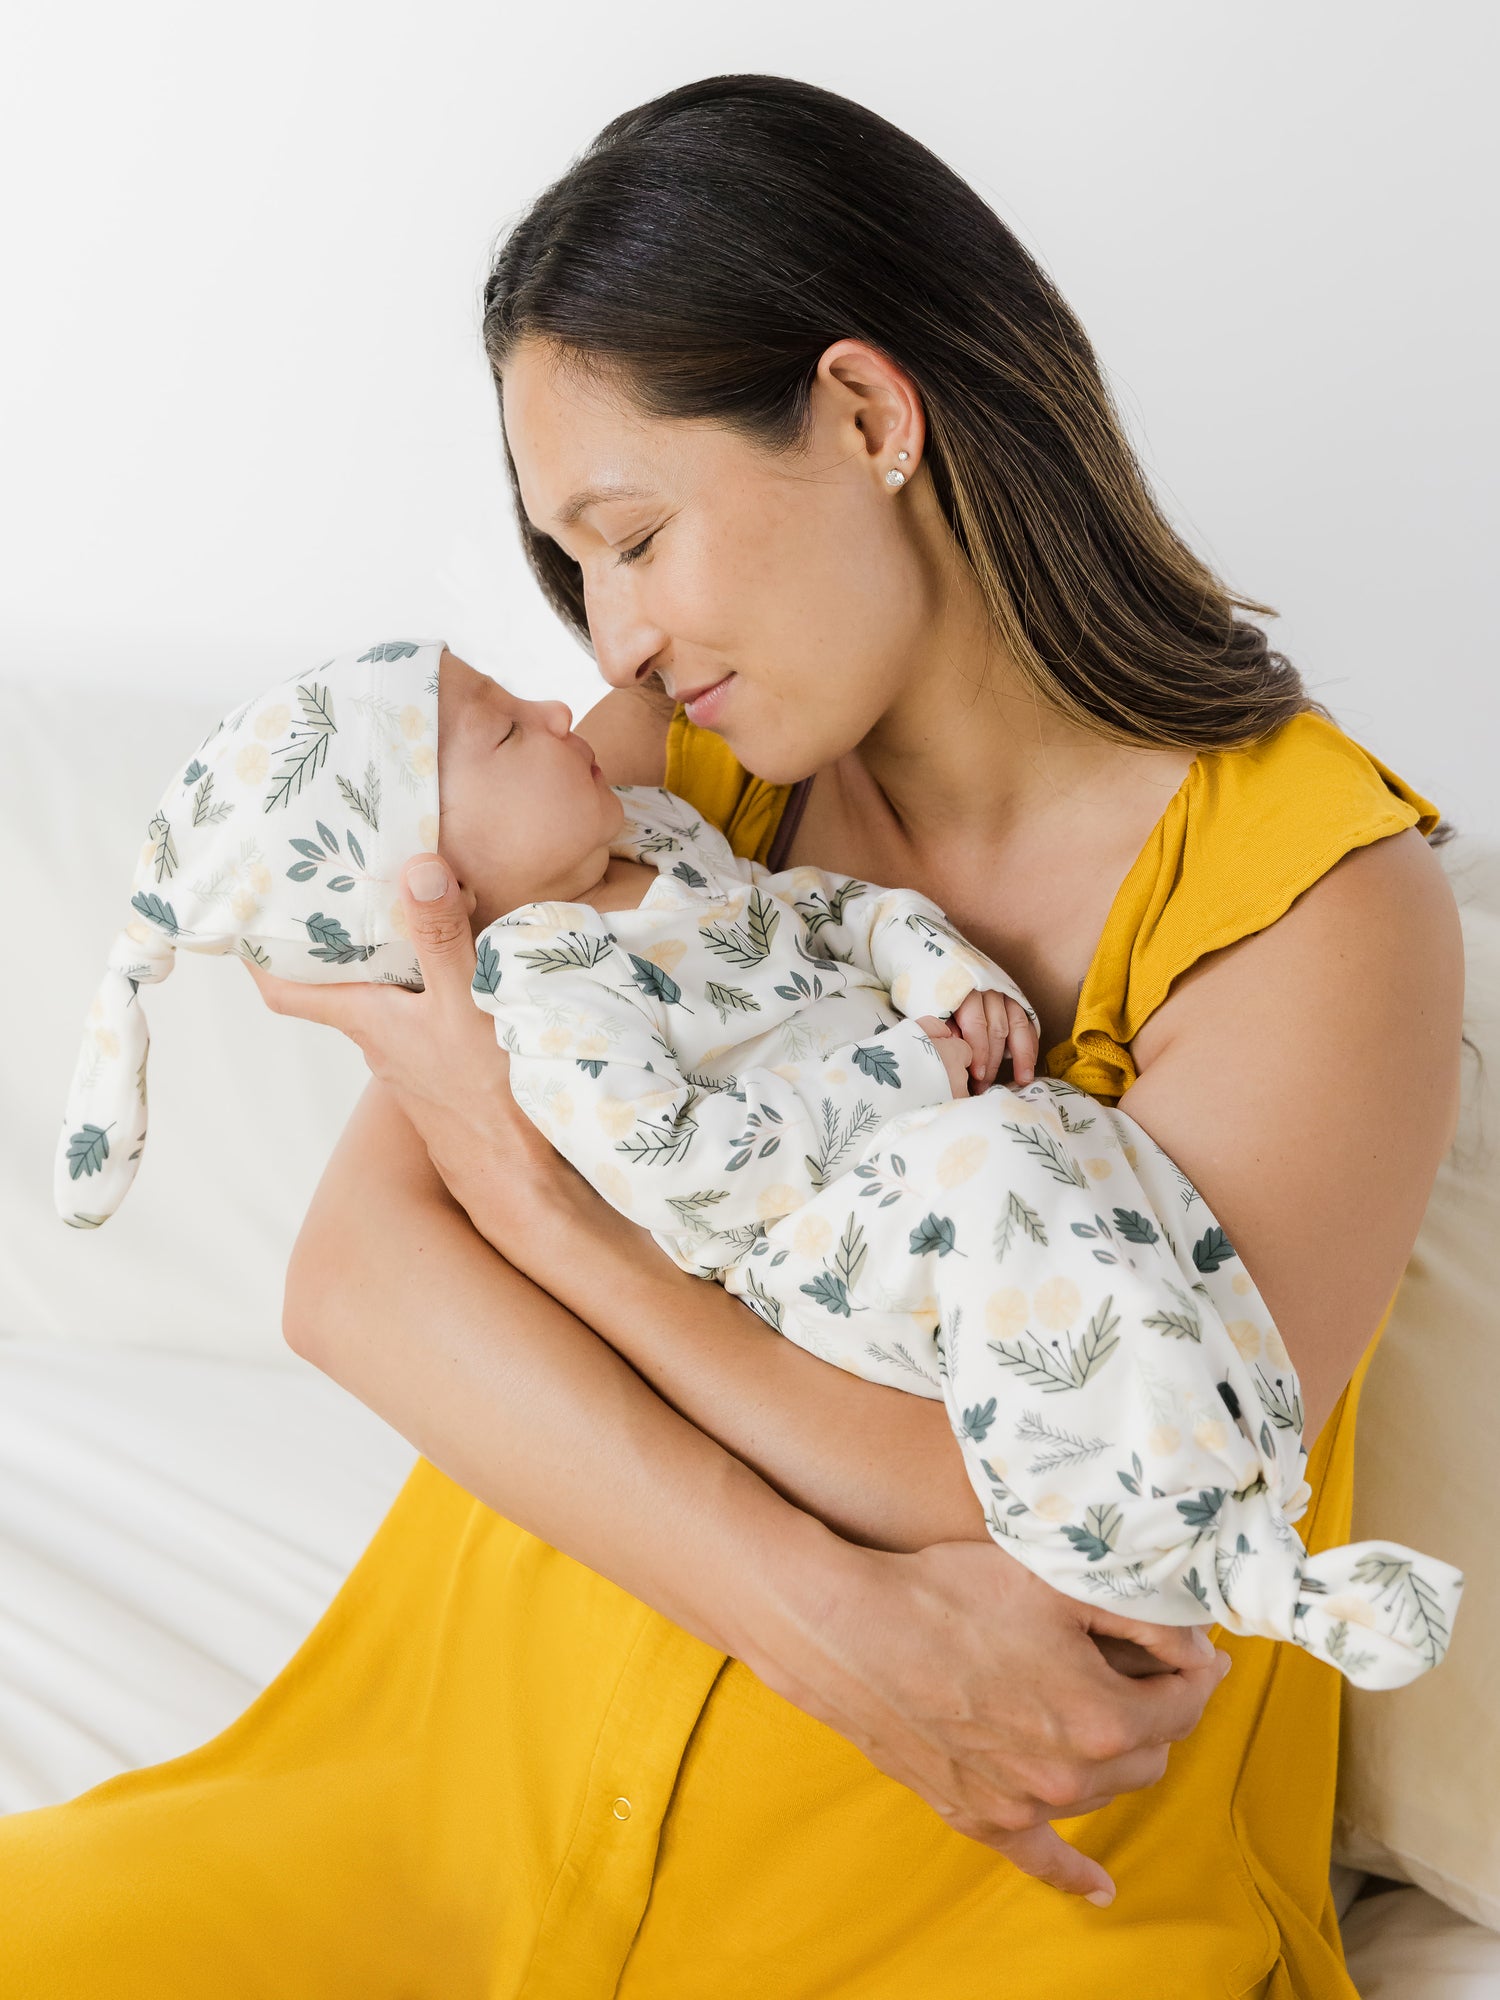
(438, 916)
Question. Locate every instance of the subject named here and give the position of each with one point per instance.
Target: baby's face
(525, 814)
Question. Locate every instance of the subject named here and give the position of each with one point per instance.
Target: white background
(246, 421)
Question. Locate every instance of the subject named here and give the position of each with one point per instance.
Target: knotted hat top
(280, 840)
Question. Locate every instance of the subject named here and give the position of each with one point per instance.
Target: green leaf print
(1135, 1228)
(88, 1149)
(878, 1064)
(1131, 1481)
(1203, 1512)
(1055, 1369)
(731, 1000)
(1282, 1405)
(355, 849)
(688, 1207)
(1411, 1597)
(1017, 1214)
(332, 943)
(575, 949)
(193, 773)
(1043, 1147)
(308, 847)
(977, 1421)
(306, 750)
(762, 920)
(850, 1257)
(686, 872)
(325, 834)
(829, 1292)
(1182, 1325)
(1063, 1447)
(205, 811)
(157, 912)
(486, 969)
(1196, 1588)
(658, 984)
(1212, 1249)
(163, 852)
(661, 1145)
(1095, 1539)
(1337, 1643)
(302, 871)
(933, 1232)
(365, 803)
(390, 649)
(838, 1137)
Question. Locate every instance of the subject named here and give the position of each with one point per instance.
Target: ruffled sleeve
(1246, 832)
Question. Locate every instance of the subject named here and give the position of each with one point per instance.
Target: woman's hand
(979, 1687)
(438, 1053)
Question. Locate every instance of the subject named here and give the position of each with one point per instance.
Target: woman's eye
(631, 555)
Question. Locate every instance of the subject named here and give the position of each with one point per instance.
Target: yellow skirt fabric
(490, 1772)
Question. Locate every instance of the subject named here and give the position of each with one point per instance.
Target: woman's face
(798, 589)
(524, 813)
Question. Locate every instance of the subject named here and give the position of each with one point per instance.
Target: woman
(684, 1662)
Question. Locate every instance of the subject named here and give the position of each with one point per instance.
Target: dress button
(621, 1808)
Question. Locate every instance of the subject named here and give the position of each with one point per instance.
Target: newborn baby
(752, 1066)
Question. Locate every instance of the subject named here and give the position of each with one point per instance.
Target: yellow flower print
(812, 1236)
(1005, 1312)
(591, 1044)
(950, 986)
(1210, 1433)
(427, 832)
(1276, 1352)
(616, 1116)
(553, 1041)
(1053, 1506)
(560, 1107)
(143, 859)
(665, 953)
(424, 760)
(774, 1201)
(901, 991)
(1057, 1303)
(836, 1077)
(999, 1466)
(962, 1160)
(1164, 1439)
(1099, 1169)
(1344, 1604)
(413, 722)
(140, 931)
(272, 722)
(1240, 1283)
(1246, 1336)
(106, 1041)
(252, 763)
(259, 878)
(244, 905)
(1127, 1147)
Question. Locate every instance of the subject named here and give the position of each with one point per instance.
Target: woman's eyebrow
(587, 496)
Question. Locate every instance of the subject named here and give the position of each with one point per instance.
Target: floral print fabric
(735, 1064)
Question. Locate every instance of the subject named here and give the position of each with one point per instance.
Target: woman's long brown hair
(707, 248)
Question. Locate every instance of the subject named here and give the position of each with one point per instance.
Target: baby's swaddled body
(737, 1065)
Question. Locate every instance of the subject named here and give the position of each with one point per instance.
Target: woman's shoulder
(1249, 831)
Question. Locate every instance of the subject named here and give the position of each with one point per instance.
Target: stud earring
(903, 456)
(895, 478)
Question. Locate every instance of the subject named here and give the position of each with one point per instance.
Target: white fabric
(1419, 1773)
(1404, 1945)
(171, 1528)
(245, 1105)
(279, 839)
(721, 1062)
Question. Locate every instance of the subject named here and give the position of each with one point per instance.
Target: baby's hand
(992, 1024)
(953, 1049)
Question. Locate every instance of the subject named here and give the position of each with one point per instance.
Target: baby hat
(279, 840)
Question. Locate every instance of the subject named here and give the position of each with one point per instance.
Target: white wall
(245, 420)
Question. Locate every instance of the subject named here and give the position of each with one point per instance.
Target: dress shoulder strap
(702, 769)
(1246, 832)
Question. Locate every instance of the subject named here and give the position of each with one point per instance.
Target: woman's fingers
(1022, 1038)
(1041, 1851)
(439, 921)
(344, 1004)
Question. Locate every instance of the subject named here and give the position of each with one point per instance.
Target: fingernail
(427, 880)
(1225, 1663)
(1202, 1643)
(1101, 1897)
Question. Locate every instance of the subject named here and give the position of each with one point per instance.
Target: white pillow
(245, 1105)
(1419, 1770)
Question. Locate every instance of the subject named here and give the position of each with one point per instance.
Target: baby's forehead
(463, 690)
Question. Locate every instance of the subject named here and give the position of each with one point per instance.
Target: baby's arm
(898, 935)
(592, 1067)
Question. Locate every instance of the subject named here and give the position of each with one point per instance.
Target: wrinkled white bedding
(173, 1525)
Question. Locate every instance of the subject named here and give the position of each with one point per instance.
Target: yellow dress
(489, 1772)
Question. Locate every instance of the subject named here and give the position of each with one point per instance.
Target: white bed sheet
(173, 1525)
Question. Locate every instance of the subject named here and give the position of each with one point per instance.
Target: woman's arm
(1306, 1080)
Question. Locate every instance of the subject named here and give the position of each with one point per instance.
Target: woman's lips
(703, 708)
